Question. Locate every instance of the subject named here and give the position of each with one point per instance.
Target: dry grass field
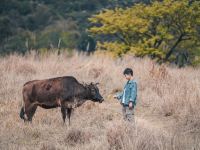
(167, 114)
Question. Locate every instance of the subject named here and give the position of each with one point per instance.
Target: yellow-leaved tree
(161, 30)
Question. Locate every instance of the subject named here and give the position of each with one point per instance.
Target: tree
(159, 30)
(18, 17)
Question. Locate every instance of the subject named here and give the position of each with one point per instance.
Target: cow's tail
(22, 113)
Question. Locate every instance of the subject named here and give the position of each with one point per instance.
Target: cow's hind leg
(30, 111)
(22, 113)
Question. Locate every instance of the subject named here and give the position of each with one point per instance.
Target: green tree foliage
(35, 24)
(162, 30)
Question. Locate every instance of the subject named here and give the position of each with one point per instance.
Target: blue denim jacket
(129, 93)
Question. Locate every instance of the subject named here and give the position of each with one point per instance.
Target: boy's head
(128, 73)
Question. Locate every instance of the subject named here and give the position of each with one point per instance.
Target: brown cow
(65, 92)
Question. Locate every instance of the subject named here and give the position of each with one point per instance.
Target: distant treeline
(47, 24)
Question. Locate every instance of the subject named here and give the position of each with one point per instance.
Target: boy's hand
(130, 105)
(115, 96)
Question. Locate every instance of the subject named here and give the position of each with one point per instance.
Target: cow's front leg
(66, 109)
(63, 111)
(30, 109)
(69, 112)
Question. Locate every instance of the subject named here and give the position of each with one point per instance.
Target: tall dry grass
(167, 113)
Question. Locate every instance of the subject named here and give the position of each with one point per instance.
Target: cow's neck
(82, 97)
(87, 92)
(82, 93)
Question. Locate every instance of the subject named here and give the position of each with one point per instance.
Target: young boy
(128, 96)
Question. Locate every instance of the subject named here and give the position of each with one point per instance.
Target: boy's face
(128, 76)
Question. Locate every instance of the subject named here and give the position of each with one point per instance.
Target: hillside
(167, 112)
(37, 24)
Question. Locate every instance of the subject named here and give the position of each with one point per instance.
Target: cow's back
(49, 90)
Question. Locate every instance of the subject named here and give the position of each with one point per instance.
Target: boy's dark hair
(128, 71)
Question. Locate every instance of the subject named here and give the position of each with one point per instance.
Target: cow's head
(94, 93)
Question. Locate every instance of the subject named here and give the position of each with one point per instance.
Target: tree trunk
(173, 47)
